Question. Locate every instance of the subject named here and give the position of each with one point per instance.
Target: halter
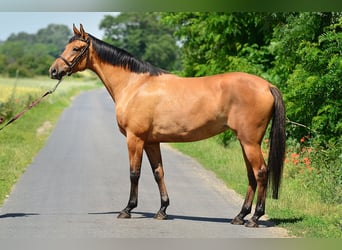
(76, 60)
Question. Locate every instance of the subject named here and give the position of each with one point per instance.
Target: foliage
(327, 177)
(308, 66)
(144, 36)
(32, 54)
(14, 102)
(219, 42)
(226, 138)
(318, 169)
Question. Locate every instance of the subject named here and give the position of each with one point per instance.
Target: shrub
(319, 168)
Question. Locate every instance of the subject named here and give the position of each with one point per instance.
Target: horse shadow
(272, 222)
(148, 215)
(16, 215)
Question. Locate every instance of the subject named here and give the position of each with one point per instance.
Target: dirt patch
(45, 128)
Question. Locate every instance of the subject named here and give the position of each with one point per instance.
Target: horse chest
(132, 119)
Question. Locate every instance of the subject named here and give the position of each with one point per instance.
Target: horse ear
(76, 31)
(84, 35)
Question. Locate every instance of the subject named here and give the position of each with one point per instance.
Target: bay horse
(154, 106)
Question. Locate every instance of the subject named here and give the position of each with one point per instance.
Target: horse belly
(186, 130)
(189, 114)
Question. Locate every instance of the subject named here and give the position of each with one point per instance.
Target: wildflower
(302, 139)
(306, 160)
(294, 156)
(307, 163)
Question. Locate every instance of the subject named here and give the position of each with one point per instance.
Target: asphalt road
(79, 182)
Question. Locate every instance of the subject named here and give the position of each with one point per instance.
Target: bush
(226, 137)
(11, 106)
(327, 175)
(317, 167)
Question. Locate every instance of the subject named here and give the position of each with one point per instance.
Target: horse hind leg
(251, 188)
(257, 179)
(154, 156)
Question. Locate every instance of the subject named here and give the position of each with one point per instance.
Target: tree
(32, 54)
(308, 68)
(55, 36)
(144, 36)
(216, 42)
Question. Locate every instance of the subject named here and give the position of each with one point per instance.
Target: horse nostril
(53, 72)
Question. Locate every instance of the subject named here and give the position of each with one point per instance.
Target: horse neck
(114, 78)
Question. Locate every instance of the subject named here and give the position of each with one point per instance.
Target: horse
(154, 106)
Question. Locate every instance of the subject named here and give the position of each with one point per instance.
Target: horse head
(74, 56)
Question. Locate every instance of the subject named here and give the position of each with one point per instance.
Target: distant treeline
(31, 54)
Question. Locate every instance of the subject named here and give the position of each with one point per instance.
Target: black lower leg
(133, 197)
(161, 214)
(126, 212)
(239, 219)
(259, 211)
(164, 198)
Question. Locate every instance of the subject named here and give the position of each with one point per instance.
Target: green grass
(21, 140)
(298, 209)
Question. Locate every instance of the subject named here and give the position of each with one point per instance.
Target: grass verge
(299, 209)
(21, 141)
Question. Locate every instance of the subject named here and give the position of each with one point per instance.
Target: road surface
(79, 182)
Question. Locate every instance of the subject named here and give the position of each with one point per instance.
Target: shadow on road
(15, 215)
(142, 215)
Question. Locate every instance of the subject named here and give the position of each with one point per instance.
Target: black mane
(122, 58)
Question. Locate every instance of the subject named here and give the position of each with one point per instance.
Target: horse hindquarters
(258, 173)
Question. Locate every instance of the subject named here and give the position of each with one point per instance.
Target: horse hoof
(251, 223)
(237, 221)
(124, 215)
(161, 216)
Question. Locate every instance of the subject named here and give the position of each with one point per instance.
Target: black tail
(277, 143)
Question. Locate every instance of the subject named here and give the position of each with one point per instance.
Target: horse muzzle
(56, 73)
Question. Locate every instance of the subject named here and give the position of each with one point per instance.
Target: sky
(31, 22)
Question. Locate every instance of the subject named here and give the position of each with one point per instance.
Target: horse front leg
(135, 152)
(154, 156)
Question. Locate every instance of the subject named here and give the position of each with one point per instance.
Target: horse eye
(76, 49)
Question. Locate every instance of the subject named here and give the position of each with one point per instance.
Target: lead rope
(34, 103)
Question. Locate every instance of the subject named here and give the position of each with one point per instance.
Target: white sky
(31, 22)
